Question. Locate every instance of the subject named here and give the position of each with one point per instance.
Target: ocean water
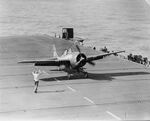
(117, 24)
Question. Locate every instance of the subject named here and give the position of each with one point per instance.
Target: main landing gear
(84, 73)
(68, 75)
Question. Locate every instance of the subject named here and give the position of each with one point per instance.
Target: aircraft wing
(46, 62)
(97, 57)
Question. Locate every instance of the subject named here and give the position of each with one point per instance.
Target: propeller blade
(91, 63)
(78, 48)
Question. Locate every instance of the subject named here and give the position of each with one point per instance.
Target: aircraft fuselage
(74, 58)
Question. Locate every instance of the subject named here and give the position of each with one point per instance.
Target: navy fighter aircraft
(70, 62)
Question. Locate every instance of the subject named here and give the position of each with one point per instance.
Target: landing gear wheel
(69, 76)
(86, 75)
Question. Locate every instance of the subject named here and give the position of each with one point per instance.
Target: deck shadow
(111, 76)
(97, 76)
(60, 78)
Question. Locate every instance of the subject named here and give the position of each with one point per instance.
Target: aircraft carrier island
(116, 89)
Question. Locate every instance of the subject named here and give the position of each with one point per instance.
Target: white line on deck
(71, 88)
(89, 100)
(66, 85)
(113, 115)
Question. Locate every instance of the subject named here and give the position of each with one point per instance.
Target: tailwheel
(86, 75)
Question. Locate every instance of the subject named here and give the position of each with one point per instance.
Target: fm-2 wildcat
(70, 62)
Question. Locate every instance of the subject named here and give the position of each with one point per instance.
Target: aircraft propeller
(91, 63)
(84, 59)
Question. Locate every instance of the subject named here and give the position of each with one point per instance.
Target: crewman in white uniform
(36, 79)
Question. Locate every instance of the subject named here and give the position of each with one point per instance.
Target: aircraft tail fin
(65, 52)
(55, 55)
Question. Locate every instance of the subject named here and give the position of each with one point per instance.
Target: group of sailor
(131, 57)
(138, 59)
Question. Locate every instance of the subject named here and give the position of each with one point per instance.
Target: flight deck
(116, 89)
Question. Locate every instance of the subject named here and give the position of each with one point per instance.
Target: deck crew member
(36, 79)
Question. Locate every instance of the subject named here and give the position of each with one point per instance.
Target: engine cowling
(81, 60)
